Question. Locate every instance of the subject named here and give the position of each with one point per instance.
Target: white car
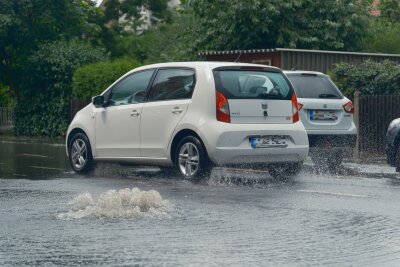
(327, 116)
(187, 117)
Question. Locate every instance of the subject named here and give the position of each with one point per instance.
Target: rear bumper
(229, 143)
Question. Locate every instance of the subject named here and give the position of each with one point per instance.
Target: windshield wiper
(327, 96)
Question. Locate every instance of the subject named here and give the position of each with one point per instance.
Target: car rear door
(255, 94)
(167, 103)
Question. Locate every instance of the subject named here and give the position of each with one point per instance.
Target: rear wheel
(285, 171)
(80, 153)
(191, 159)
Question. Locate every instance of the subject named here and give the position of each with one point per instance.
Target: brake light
(300, 106)
(222, 108)
(295, 108)
(348, 107)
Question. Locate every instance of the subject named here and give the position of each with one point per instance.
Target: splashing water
(125, 203)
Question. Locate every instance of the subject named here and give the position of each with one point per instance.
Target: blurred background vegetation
(51, 51)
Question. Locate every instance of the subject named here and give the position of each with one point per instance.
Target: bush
(43, 109)
(368, 77)
(92, 79)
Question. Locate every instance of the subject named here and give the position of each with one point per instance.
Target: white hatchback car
(327, 116)
(187, 117)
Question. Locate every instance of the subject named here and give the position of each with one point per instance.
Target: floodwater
(121, 216)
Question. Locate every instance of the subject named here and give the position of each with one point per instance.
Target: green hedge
(43, 109)
(92, 79)
(368, 77)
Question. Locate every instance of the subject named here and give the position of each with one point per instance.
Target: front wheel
(80, 153)
(285, 171)
(191, 159)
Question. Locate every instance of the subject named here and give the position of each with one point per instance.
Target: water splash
(125, 203)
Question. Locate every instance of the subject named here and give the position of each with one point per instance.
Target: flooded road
(50, 216)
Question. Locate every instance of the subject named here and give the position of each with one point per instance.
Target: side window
(130, 90)
(172, 84)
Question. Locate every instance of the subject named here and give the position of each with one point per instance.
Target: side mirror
(98, 101)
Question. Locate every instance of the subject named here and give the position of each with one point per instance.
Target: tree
(238, 24)
(384, 33)
(390, 10)
(43, 109)
(25, 24)
(124, 19)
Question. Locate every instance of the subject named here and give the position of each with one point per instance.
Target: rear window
(314, 86)
(252, 84)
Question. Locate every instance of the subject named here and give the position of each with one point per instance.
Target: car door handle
(135, 113)
(177, 110)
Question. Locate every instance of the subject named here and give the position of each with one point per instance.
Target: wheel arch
(72, 133)
(178, 136)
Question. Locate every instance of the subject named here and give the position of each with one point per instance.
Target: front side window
(131, 90)
(171, 84)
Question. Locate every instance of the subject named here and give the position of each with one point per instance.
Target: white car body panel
(117, 131)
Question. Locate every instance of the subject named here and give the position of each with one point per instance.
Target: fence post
(357, 96)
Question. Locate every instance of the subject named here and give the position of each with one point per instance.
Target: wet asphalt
(50, 216)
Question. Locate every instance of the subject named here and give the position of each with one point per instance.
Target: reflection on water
(32, 160)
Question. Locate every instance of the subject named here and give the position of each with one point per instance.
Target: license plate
(267, 141)
(322, 115)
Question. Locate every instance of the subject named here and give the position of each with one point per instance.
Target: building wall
(324, 62)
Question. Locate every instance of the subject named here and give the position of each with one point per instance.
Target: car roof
(303, 72)
(208, 64)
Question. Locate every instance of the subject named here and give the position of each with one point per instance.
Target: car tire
(285, 171)
(80, 154)
(191, 159)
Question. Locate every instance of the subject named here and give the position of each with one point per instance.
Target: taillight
(222, 107)
(295, 109)
(300, 105)
(348, 107)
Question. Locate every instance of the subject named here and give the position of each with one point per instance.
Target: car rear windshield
(252, 84)
(314, 86)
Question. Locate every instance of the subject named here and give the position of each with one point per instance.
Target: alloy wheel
(189, 159)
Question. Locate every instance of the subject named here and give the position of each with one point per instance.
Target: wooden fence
(373, 115)
(6, 118)
(75, 105)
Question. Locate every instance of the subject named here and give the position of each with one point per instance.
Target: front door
(118, 124)
(167, 103)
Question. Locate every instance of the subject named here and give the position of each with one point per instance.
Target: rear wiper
(327, 96)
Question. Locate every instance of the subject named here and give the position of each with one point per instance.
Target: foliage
(92, 79)
(237, 24)
(370, 78)
(5, 98)
(384, 33)
(383, 38)
(43, 109)
(25, 24)
(123, 19)
(390, 10)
